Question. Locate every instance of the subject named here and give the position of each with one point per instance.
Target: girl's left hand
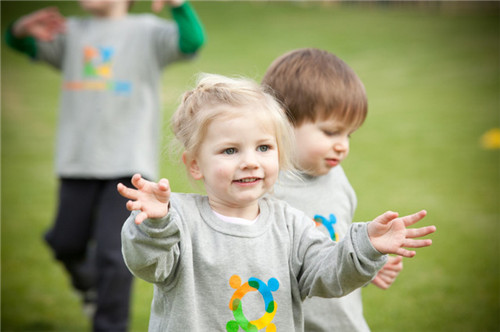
(390, 235)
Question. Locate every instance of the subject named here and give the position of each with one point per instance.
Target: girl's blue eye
(229, 151)
(263, 148)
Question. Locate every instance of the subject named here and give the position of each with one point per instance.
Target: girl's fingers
(405, 253)
(140, 218)
(165, 192)
(414, 218)
(163, 185)
(127, 192)
(137, 181)
(386, 217)
(419, 232)
(409, 243)
(133, 205)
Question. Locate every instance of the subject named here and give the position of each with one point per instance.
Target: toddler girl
(237, 259)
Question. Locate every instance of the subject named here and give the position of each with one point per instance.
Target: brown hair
(315, 84)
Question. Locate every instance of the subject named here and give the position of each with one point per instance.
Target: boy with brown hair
(109, 129)
(325, 102)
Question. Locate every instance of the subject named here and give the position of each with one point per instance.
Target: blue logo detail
(328, 223)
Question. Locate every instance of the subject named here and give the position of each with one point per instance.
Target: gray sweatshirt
(109, 121)
(211, 275)
(331, 201)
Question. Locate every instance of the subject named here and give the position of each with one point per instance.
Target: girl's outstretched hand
(151, 198)
(390, 235)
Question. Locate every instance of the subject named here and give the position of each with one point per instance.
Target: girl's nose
(249, 160)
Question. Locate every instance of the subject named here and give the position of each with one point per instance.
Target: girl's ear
(192, 166)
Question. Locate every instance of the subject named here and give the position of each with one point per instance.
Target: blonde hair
(220, 97)
(315, 84)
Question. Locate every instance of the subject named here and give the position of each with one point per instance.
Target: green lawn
(432, 75)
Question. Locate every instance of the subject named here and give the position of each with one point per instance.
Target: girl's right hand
(151, 198)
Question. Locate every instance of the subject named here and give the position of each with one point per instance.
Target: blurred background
(431, 70)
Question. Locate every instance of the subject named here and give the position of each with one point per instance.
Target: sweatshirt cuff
(156, 227)
(191, 32)
(26, 45)
(365, 246)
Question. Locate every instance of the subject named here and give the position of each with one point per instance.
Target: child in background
(326, 102)
(205, 254)
(109, 129)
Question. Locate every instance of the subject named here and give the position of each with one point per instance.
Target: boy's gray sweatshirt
(211, 275)
(110, 114)
(331, 201)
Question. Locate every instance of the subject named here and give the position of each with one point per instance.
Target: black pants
(86, 239)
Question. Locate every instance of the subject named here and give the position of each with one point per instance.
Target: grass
(432, 75)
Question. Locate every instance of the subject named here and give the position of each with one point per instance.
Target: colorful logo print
(236, 306)
(98, 73)
(97, 62)
(328, 223)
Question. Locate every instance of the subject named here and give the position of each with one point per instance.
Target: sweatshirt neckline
(256, 229)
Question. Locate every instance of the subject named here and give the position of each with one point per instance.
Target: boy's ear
(192, 166)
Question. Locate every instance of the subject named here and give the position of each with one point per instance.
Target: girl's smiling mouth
(247, 180)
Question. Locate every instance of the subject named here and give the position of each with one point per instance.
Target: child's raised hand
(390, 235)
(389, 272)
(159, 4)
(43, 24)
(151, 198)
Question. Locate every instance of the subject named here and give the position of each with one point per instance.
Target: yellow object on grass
(491, 139)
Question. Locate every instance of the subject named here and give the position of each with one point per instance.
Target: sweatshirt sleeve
(191, 33)
(325, 268)
(151, 250)
(26, 45)
(51, 52)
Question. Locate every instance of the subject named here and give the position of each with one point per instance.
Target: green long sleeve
(26, 45)
(191, 33)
